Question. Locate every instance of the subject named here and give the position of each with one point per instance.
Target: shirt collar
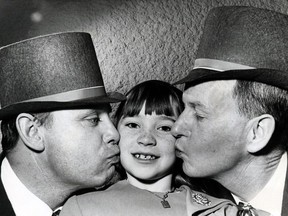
(270, 197)
(23, 201)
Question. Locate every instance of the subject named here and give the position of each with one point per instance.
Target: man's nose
(111, 135)
(178, 128)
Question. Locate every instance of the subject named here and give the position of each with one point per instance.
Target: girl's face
(147, 147)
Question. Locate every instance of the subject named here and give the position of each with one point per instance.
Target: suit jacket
(5, 205)
(222, 192)
(124, 199)
(285, 196)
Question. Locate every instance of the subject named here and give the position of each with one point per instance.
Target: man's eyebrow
(92, 112)
(95, 111)
(198, 105)
(86, 113)
(195, 104)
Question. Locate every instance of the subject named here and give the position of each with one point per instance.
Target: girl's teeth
(145, 157)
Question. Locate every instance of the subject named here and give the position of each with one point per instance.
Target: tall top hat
(46, 73)
(246, 43)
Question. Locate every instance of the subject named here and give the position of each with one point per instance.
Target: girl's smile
(145, 157)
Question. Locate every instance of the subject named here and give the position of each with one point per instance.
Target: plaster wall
(135, 40)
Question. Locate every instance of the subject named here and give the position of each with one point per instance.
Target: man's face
(81, 147)
(211, 133)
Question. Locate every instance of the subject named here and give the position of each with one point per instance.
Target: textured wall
(135, 40)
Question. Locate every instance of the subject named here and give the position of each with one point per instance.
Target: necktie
(245, 209)
(56, 213)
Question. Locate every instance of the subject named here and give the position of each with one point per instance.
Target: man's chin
(115, 177)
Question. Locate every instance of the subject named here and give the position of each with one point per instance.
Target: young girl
(153, 173)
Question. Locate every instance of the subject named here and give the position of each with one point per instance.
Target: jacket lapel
(213, 188)
(5, 207)
(285, 196)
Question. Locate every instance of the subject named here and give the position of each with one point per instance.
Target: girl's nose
(146, 139)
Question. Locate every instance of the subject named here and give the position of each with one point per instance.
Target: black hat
(241, 42)
(51, 72)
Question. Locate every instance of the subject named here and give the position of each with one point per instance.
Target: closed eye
(94, 121)
(199, 117)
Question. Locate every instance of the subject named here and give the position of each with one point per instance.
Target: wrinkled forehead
(215, 84)
(209, 90)
(213, 98)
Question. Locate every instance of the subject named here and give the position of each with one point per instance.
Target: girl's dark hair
(159, 97)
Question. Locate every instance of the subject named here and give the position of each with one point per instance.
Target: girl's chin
(143, 176)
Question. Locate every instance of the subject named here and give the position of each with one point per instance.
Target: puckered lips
(178, 151)
(114, 157)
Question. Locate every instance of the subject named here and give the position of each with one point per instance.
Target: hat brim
(48, 106)
(267, 76)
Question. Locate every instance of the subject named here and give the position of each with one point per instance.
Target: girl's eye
(165, 128)
(132, 125)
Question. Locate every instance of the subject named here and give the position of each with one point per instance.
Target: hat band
(78, 94)
(219, 65)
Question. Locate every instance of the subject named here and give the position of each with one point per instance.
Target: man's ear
(28, 129)
(260, 132)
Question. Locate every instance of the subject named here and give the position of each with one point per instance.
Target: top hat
(245, 43)
(51, 72)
